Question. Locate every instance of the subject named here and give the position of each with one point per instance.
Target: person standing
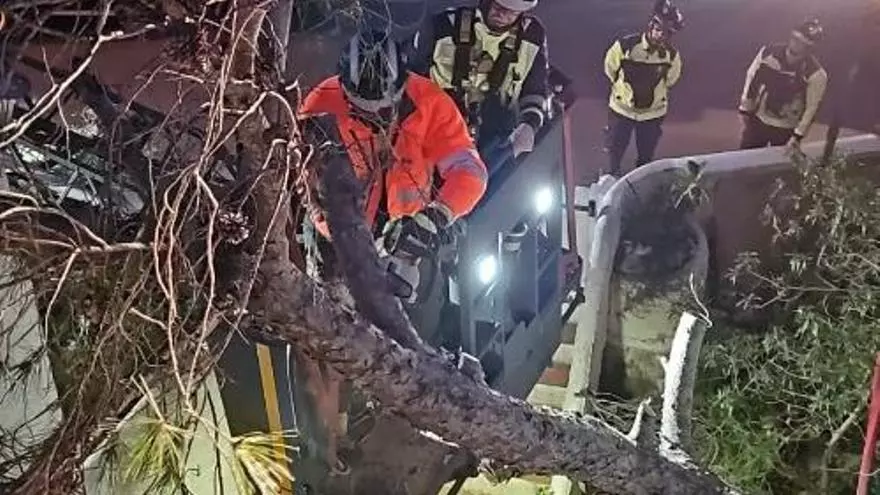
(784, 87)
(492, 59)
(641, 67)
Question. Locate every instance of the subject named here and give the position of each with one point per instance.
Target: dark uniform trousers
(757, 134)
(619, 132)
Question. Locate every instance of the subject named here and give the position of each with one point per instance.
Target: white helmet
(517, 5)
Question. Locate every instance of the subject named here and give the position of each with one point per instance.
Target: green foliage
(149, 452)
(261, 463)
(779, 412)
(156, 455)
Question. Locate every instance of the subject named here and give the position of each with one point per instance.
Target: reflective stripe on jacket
(525, 85)
(781, 94)
(431, 139)
(640, 77)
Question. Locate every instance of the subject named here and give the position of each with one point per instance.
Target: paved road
(717, 45)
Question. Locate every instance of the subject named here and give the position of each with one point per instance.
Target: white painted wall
(23, 400)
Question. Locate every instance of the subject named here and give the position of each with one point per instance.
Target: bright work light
(543, 200)
(487, 269)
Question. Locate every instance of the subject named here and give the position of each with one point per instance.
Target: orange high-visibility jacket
(431, 139)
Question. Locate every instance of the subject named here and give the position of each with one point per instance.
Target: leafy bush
(780, 412)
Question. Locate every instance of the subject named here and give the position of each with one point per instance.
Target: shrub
(780, 411)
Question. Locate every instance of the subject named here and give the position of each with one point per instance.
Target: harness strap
(507, 55)
(464, 39)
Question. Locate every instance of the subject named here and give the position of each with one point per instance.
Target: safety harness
(643, 77)
(464, 38)
(785, 85)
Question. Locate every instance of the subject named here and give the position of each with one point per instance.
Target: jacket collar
(659, 50)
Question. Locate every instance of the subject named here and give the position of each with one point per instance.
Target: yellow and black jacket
(458, 52)
(784, 95)
(641, 76)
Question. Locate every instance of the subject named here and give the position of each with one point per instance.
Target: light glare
(487, 269)
(543, 200)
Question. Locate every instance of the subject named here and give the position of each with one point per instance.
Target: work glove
(522, 139)
(419, 235)
(408, 249)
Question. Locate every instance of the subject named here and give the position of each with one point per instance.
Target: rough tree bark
(422, 385)
(412, 382)
(416, 382)
(381, 452)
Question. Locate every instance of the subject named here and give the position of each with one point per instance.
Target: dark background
(719, 41)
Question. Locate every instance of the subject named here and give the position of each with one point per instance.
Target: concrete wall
(644, 334)
(25, 401)
(739, 184)
(737, 203)
(26, 416)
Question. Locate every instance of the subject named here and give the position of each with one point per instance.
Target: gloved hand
(794, 144)
(409, 246)
(522, 139)
(403, 276)
(419, 235)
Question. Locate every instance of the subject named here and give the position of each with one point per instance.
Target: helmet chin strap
(373, 106)
(374, 114)
(500, 30)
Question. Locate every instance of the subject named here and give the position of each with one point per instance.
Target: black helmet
(667, 17)
(810, 31)
(372, 71)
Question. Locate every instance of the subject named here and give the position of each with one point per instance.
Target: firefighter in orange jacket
(401, 132)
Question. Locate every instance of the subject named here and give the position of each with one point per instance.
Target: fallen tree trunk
(420, 384)
(427, 389)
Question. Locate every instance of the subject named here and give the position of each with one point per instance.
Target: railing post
(870, 448)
